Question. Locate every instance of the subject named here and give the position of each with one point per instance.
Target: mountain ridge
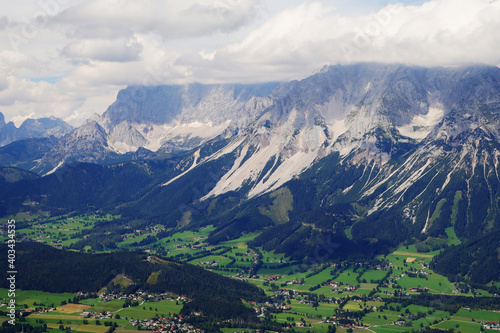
(411, 151)
(32, 128)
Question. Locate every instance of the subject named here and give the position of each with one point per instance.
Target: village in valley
(393, 293)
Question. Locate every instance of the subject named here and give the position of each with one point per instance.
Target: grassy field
(70, 315)
(389, 329)
(280, 271)
(294, 276)
(241, 242)
(373, 275)
(24, 216)
(400, 261)
(57, 230)
(403, 260)
(459, 325)
(323, 310)
(133, 238)
(414, 309)
(151, 309)
(347, 277)
(178, 243)
(221, 260)
(435, 282)
(409, 253)
(29, 297)
(320, 277)
(77, 325)
(80, 327)
(353, 305)
(478, 315)
(452, 236)
(145, 310)
(376, 318)
(270, 257)
(98, 306)
(72, 308)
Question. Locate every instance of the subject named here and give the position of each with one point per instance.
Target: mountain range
(32, 128)
(370, 153)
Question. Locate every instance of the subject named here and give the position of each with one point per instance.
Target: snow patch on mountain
(228, 149)
(422, 125)
(426, 221)
(196, 156)
(336, 128)
(127, 137)
(291, 167)
(55, 169)
(407, 177)
(279, 153)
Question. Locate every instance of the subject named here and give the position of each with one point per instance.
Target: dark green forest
(476, 261)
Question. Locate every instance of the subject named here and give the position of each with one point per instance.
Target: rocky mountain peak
(32, 128)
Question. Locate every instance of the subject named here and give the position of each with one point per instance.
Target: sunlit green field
(29, 297)
(459, 325)
(478, 315)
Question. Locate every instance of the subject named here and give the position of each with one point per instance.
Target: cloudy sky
(69, 58)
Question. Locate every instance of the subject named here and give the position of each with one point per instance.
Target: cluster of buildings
(173, 324)
(273, 277)
(141, 296)
(295, 282)
(343, 322)
(491, 325)
(384, 265)
(336, 287)
(138, 232)
(97, 315)
(401, 323)
(247, 254)
(266, 306)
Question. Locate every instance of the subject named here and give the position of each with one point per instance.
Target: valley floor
(397, 292)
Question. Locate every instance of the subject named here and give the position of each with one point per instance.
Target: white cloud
(24, 90)
(155, 67)
(121, 50)
(11, 60)
(170, 19)
(4, 22)
(100, 46)
(18, 120)
(296, 41)
(75, 103)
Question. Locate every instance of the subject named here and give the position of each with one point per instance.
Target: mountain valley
(384, 178)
